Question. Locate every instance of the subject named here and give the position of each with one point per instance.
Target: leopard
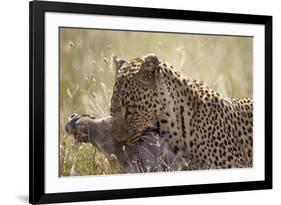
(196, 122)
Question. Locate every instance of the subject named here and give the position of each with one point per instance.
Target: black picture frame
(37, 11)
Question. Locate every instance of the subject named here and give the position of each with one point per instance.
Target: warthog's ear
(117, 63)
(149, 71)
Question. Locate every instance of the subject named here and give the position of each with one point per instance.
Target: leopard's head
(135, 103)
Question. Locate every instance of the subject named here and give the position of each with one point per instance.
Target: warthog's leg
(151, 153)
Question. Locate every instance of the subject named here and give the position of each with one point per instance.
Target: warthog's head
(151, 153)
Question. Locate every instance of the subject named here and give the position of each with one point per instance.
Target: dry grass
(77, 159)
(87, 77)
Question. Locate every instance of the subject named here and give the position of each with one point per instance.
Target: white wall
(14, 100)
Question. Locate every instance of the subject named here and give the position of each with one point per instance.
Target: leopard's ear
(149, 71)
(117, 63)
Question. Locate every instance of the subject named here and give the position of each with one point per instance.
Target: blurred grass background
(87, 78)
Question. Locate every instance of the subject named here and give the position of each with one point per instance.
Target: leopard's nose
(70, 124)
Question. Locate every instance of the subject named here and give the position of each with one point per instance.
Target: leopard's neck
(180, 97)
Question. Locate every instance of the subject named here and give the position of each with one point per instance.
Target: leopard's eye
(129, 112)
(130, 109)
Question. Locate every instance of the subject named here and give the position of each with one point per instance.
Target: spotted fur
(196, 122)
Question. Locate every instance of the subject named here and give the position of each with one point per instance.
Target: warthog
(149, 155)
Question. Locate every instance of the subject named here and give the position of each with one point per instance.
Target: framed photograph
(140, 102)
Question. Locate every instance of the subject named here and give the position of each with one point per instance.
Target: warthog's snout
(70, 124)
(85, 128)
(77, 127)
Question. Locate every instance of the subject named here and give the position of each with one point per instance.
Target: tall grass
(87, 77)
